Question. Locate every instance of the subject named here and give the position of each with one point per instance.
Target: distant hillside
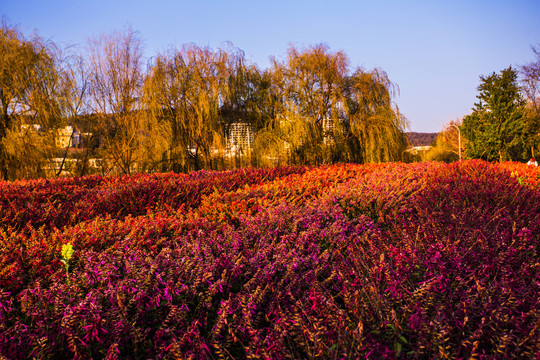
(421, 139)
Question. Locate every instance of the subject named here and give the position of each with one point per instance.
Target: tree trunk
(65, 154)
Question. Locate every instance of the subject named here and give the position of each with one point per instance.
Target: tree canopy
(327, 112)
(187, 109)
(30, 93)
(495, 129)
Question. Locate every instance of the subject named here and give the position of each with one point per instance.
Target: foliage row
(186, 109)
(504, 124)
(414, 261)
(498, 129)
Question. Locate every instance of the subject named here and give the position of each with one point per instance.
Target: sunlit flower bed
(414, 261)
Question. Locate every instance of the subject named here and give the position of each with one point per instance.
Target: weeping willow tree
(241, 110)
(307, 99)
(272, 145)
(204, 95)
(29, 109)
(183, 89)
(325, 114)
(447, 144)
(374, 126)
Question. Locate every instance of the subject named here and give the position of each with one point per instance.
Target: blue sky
(433, 50)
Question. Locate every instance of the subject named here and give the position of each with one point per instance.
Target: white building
(240, 139)
(66, 137)
(34, 127)
(415, 150)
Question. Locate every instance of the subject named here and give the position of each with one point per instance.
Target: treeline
(188, 108)
(504, 124)
(421, 139)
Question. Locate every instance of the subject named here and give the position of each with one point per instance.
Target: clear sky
(434, 50)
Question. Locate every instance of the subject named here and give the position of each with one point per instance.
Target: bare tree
(117, 80)
(530, 84)
(74, 96)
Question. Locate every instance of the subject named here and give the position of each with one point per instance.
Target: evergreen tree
(495, 128)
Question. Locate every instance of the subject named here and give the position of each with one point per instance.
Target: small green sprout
(520, 179)
(67, 253)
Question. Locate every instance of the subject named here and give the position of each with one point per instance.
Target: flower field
(411, 261)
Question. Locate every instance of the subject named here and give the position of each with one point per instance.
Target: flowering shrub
(62, 202)
(423, 260)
